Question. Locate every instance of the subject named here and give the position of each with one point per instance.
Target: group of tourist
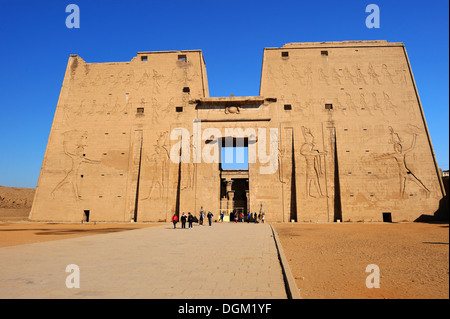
(237, 217)
(190, 219)
(240, 217)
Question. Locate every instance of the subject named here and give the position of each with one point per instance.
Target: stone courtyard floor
(219, 261)
(224, 261)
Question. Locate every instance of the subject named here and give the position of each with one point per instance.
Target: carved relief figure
(337, 104)
(300, 107)
(387, 76)
(93, 108)
(362, 100)
(323, 77)
(405, 174)
(313, 164)
(296, 75)
(373, 75)
(375, 104)
(282, 72)
(388, 103)
(308, 74)
(129, 78)
(335, 76)
(402, 76)
(360, 78)
(155, 111)
(232, 109)
(158, 163)
(67, 112)
(156, 80)
(143, 80)
(348, 76)
(189, 169)
(349, 102)
(73, 147)
(363, 103)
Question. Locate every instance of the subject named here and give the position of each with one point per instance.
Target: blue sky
(234, 158)
(35, 45)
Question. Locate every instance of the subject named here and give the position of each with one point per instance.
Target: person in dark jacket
(190, 220)
(210, 215)
(183, 220)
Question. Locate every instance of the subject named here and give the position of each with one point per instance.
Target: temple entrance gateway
(234, 175)
(140, 154)
(234, 193)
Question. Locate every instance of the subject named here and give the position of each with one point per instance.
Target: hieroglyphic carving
(313, 164)
(73, 147)
(399, 155)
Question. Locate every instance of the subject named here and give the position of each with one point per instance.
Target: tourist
(202, 215)
(183, 220)
(174, 220)
(210, 215)
(262, 218)
(190, 220)
(256, 218)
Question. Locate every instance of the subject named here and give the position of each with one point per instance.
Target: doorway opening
(234, 195)
(387, 217)
(86, 216)
(234, 178)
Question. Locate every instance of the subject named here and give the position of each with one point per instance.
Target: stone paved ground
(222, 261)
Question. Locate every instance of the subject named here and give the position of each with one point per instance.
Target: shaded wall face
(360, 142)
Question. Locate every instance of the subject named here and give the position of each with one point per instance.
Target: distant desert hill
(15, 202)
